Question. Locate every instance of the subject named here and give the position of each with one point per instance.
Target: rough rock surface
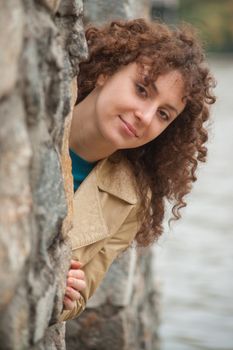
(103, 10)
(42, 42)
(123, 314)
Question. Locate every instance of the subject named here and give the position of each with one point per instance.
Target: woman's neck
(85, 138)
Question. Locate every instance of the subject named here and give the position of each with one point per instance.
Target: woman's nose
(145, 116)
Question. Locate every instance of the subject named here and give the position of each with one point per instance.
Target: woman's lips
(131, 130)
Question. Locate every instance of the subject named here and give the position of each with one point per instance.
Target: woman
(137, 130)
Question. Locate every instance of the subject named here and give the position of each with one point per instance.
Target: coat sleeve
(96, 267)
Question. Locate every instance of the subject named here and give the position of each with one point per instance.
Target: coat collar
(117, 179)
(89, 224)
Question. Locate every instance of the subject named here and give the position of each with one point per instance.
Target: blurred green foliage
(214, 19)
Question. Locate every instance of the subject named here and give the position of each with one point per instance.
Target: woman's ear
(101, 80)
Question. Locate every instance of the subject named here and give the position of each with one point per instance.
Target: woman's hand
(75, 283)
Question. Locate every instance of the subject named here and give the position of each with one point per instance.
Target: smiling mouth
(131, 130)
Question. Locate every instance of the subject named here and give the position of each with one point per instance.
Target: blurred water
(195, 260)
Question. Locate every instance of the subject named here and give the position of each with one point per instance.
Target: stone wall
(42, 42)
(124, 312)
(104, 10)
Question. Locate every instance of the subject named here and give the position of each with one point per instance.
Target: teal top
(80, 168)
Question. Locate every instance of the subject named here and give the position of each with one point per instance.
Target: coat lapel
(117, 179)
(89, 224)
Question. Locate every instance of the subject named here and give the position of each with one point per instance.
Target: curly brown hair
(165, 167)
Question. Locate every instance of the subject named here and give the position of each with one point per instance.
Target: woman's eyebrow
(167, 105)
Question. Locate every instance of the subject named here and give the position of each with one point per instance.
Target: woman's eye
(141, 90)
(164, 115)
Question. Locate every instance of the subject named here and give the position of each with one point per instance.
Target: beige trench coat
(104, 223)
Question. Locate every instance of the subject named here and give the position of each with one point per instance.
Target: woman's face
(129, 114)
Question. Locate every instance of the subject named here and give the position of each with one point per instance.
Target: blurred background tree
(213, 18)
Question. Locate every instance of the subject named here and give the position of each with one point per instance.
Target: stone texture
(36, 98)
(117, 287)
(42, 43)
(15, 196)
(71, 8)
(51, 4)
(14, 322)
(11, 41)
(130, 324)
(103, 10)
(69, 20)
